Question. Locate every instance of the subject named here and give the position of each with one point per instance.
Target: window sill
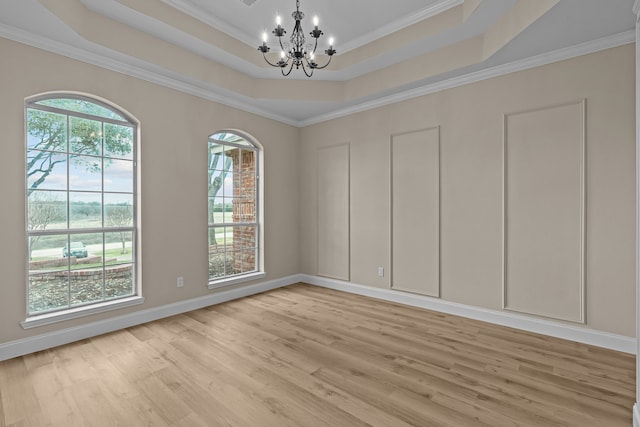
(74, 313)
(235, 280)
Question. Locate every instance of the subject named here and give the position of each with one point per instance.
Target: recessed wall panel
(544, 153)
(333, 212)
(415, 215)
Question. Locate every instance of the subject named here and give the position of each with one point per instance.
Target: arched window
(81, 204)
(234, 210)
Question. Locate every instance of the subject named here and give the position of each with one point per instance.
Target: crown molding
(154, 74)
(524, 64)
(136, 68)
(433, 9)
(202, 15)
(426, 13)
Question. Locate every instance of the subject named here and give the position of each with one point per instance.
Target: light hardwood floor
(307, 356)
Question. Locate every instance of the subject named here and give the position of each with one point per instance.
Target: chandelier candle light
(297, 53)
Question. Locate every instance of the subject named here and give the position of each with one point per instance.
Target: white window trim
(259, 273)
(104, 305)
(76, 312)
(233, 280)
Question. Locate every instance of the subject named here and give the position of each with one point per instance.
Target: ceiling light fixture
(297, 53)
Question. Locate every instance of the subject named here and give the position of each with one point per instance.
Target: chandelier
(296, 53)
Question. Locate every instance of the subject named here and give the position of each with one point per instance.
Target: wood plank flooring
(307, 356)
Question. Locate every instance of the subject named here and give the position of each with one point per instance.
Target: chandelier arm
(269, 62)
(317, 67)
(280, 41)
(310, 73)
(288, 72)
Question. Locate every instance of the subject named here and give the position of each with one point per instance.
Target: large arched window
(81, 204)
(234, 210)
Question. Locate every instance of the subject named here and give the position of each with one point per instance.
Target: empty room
(319, 213)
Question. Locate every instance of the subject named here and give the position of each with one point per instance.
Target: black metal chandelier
(297, 54)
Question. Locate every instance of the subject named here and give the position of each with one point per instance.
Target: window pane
(85, 173)
(119, 281)
(48, 290)
(82, 106)
(85, 210)
(47, 248)
(47, 210)
(230, 137)
(227, 212)
(48, 273)
(244, 237)
(46, 131)
(118, 258)
(217, 181)
(229, 184)
(118, 210)
(218, 236)
(244, 210)
(46, 170)
(86, 265)
(245, 262)
(85, 136)
(118, 176)
(247, 184)
(118, 248)
(118, 141)
(216, 210)
(218, 264)
(218, 159)
(83, 247)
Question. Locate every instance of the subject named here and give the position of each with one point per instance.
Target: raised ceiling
(387, 51)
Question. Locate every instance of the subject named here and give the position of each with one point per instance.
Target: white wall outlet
(380, 271)
(180, 281)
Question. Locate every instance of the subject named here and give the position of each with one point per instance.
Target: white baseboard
(636, 415)
(28, 345)
(24, 346)
(513, 320)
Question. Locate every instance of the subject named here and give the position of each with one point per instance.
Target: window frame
(258, 272)
(39, 318)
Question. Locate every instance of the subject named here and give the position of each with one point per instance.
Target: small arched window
(234, 210)
(81, 203)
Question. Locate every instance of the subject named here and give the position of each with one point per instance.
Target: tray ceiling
(386, 50)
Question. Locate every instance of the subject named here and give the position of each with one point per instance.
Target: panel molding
(348, 233)
(582, 217)
(391, 205)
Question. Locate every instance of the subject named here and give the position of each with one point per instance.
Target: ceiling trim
(500, 70)
(392, 27)
(212, 20)
(172, 80)
(142, 70)
(209, 19)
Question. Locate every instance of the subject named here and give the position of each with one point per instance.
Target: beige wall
(174, 130)
(471, 118)
(174, 127)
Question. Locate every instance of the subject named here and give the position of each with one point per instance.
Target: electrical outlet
(380, 271)
(180, 282)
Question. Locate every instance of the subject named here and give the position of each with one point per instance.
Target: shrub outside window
(81, 203)
(232, 207)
